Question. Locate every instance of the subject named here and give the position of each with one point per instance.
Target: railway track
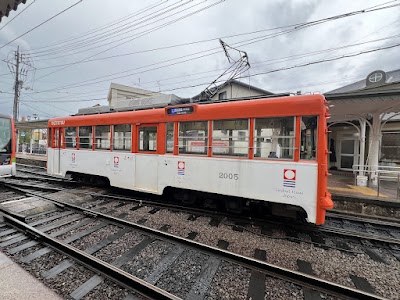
(46, 234)
(337, 224)
(148, 210)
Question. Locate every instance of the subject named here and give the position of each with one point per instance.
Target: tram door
(57, 150)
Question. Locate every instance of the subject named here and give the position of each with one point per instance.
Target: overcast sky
(97, 29)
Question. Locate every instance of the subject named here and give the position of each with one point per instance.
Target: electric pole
(16, 86)
(20, 65)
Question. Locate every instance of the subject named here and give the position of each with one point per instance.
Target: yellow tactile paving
(358, 189)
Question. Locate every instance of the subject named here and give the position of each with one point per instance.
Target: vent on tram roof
(155, 101)
(94, 110)
(145, 102)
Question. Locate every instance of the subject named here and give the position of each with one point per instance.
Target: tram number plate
(230, 176)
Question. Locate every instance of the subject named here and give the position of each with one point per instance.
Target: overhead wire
(105, 26)
(296, 26)
(117, 32)
(300, 65)
(189, 58)
(247, 42)
(120, 44)
(272, 71)
(44, 22)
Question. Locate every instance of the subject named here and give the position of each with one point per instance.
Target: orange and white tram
(7, 146)
(270, 151)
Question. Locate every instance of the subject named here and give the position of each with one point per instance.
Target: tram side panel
(119, 168)
(278, 182)
(273, 181)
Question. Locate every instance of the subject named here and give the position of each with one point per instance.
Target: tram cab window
(231, 137)
(309, 134)
(70, 137)
(85, 137)
(102, 137)
(170, 138)
(148, 138)
(274, 138)
(193, 137)
(122, 137)
(49, 136)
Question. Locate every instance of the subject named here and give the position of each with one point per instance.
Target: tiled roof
(391, 77)
(7, 5)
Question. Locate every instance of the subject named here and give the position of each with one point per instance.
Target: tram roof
(276, 106)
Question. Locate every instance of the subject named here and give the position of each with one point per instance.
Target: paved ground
(13, 277)
(343, 183)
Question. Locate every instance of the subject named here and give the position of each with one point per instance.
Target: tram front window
(5, 135)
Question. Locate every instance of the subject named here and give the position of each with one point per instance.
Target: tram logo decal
(73, 158)
(181, 168)
(116, 161)
(289, 178)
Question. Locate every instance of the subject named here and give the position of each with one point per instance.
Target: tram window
(49, 136)
(70, 137)
(309, 134)
(85, 137)
(274, 138)
(148, 138)
(193, 137)
(122, 137)
(231, 137)
(170, 138)
(5, 135)
(102, 137)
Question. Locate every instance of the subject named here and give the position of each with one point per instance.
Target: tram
(270, 152)
(7, 146)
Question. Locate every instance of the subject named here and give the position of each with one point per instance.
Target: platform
(342, 183)
(31, 159)
(16, 283)
(31, 156)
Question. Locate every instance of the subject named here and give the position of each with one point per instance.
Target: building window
(222, 96)
(122, 137)
(102, 137)
(390, 150)
(231, 137)
(308, 147)
(148, 138)
(193, 137)
(70, 137)
(85, 137)
(274, 138)
(170, 138)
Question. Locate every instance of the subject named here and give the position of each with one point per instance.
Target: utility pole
(19, 64)
(16, 86)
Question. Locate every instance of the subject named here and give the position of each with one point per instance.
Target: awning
(7, 5)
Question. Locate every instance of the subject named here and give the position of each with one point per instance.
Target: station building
(365, 124)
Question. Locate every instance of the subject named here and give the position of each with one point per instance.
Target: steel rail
(107, 270)
(295, 277)
(362, 235)
(359, 218)
(322, 228)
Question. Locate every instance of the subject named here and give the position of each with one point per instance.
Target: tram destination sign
(184, 110)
